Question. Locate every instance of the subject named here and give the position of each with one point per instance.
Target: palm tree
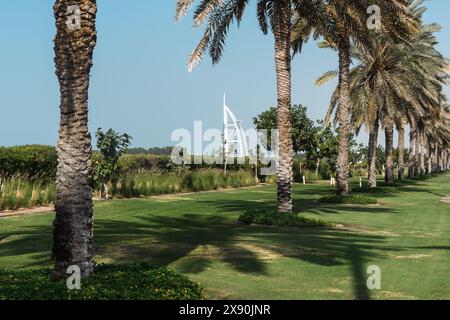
(218, 16)
(74, 45)
(342, 22)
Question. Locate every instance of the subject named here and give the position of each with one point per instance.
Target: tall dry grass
(19, 191)
(148, 183)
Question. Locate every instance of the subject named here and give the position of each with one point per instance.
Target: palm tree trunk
(438, 159)
(416, 153)
(282, 34)
(422, 152)
(389, 175)
(445, 160)
(412, 143)
(317, 168)
(435, 158)
(343, 112)
(430, 157)
(73, 224)
(373, 144)
(401, 152)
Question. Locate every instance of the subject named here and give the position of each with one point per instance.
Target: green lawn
(407, 235)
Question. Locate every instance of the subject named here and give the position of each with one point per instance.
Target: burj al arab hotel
(234, 140)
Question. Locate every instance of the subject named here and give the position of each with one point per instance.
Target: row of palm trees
(343, 25)
(395, 84)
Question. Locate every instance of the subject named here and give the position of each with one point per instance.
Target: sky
(140, 84)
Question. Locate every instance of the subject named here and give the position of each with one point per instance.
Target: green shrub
(310, 176)
(358, 172)
(139, 281)
(270, 217)
(350, 199)
(270, 179)
(377, 190)
(302, 167)
(33, 161)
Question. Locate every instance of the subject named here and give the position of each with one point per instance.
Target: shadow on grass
(199, 240)
(311, 206)
(195, 241)
(31, 240)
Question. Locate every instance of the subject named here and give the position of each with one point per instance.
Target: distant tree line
(157, 151)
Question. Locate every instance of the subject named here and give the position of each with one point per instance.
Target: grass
(407, 235)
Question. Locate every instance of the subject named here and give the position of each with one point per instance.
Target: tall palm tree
(218, 16)
(73, 225)
(342, 22)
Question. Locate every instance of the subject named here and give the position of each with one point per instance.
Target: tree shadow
(30, 240)
(302, 206)
(199, 240)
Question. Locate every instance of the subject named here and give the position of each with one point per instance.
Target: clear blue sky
(140, 84)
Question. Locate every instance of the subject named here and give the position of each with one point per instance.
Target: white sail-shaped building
(234, 140)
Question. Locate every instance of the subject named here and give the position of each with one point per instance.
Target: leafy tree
(111, 146)
(314, 143)
(158, 151)
(303, 129)
(324, 146)
(164, 151)
(139, 150)
(357, 152)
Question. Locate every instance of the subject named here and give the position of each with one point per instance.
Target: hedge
(31, 160)
(361, 199)
(270, 217)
